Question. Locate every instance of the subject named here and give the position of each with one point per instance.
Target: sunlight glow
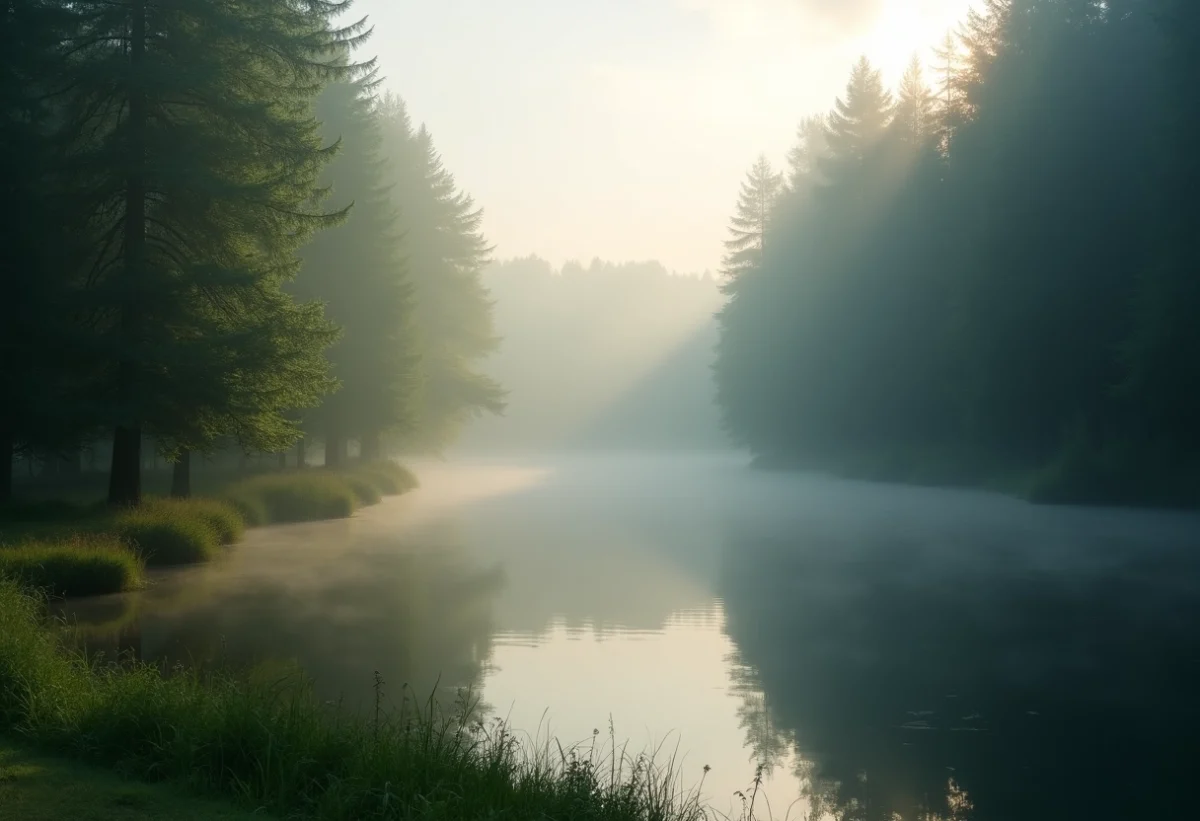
(904, 28)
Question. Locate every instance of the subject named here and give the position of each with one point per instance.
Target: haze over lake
(871, 646)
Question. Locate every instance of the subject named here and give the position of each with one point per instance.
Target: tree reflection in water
(914, 681)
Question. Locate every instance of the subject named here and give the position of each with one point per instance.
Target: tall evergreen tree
(915, 115)
(357, 270)
(859, 119)
(805, 157)
(198, 158)
(748, 226)
(445, 252)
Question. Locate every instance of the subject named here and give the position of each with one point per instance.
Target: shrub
(225, 520)
(390, 478)
(73, 566)
(304, 496)
(365, 490)
(165, 537)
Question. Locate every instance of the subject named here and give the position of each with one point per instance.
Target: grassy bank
(77, 550)
(36, 787)
(271, 744)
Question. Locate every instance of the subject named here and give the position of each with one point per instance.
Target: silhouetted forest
(223, 237)
(988, 275)
(605, 356)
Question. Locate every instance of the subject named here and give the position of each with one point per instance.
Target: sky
(622, 129)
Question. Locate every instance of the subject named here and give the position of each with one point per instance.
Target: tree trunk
(125, 478)
(334, 446)
(181, 476)
(301, 455)
(369, 448)
(283, 460)
(7, 447)
(243, 461)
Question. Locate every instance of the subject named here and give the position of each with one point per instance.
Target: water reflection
(879, 653)
(919, 676)
(336, 600)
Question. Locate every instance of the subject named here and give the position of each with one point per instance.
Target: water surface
(875, 650)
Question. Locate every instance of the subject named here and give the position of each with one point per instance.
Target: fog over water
(874, 647)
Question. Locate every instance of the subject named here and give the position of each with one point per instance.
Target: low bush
(73, 566)
(165, 536)
(390, 478)
(303, 496)
(225, 520)
(274, 745)
(365, 489)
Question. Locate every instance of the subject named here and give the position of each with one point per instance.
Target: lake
(871, 650)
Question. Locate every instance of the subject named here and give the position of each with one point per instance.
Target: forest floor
(36, 787)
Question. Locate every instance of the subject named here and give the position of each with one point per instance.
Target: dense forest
(989, 275)
(227, 239)
(630, 363)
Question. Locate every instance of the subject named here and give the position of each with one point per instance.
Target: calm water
(877, 650)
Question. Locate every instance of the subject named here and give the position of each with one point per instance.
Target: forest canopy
(227, 239)
(988, 274)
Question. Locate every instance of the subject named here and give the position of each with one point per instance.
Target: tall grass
(390, 478)
(304, 496)
(273, 744)
(76, 566)
(61, 542)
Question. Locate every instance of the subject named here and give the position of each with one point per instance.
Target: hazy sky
(623, 128)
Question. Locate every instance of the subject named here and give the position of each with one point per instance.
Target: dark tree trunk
(7, 448)
(283, 460)
(334, 446)
(301, 455)
(181, 476)
(370, 448)
(125, 479)
(243, 461)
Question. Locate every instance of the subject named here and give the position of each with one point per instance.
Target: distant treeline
(608, 355)
(220, 236)
(993, 279)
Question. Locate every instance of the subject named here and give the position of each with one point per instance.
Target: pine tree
(198, 158)
(805, 157)
(37, 342)
(748, 226)
(914, 120)
(357, 270)
(859, 119)
(445, 253)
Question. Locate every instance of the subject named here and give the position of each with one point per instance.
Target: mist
(661, 410)
(607, 356)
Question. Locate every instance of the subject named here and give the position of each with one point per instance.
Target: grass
(36, 787)
(78, 550)
(75, 566)
(271, 743)
(303, 496)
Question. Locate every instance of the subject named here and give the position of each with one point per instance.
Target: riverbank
(71, 549)
(1080, 475)
(37, 787)
(264, 742)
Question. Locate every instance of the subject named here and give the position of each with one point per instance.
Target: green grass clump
(166, 536)
(388, 477)
(275, 745)
(73, 566)
(303, 496)
(366, 491)
(225, 520)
